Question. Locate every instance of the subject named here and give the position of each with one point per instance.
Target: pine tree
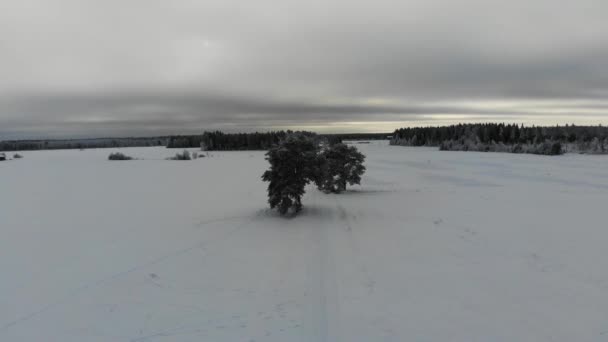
(293, 164)
(341, 165)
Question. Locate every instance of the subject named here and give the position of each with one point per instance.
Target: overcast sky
(73, 68)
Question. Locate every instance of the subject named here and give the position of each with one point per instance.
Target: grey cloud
(142, 67)
(173, 113)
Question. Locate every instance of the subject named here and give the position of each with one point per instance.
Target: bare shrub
(119, 156)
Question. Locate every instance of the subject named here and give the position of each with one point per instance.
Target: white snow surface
(433, 246)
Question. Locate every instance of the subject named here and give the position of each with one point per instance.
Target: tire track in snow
(357, 258)
(324, 306)
(329, 296)
(100, 282)
(300, 240)
(332, 237)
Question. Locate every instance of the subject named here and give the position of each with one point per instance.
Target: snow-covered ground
(434, 246)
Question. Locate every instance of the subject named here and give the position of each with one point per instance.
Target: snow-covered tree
(293, 164)
(341, 165)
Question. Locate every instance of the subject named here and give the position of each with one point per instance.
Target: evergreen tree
(341, 165)
(293, 164)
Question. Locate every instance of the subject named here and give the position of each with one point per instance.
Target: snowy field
(434, 246)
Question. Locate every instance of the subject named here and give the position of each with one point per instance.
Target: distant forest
(360, 136)
(218, 141)
(210, 141)
(499, 137)
(63, 144)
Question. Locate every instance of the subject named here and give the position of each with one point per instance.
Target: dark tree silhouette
(218, 141)
(293, 164)
(342, 165)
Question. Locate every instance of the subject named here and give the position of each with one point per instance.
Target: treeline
(210, 141)
(499, 137)
(62, 144)
(359, 136)
(219, 141)
(184, 141)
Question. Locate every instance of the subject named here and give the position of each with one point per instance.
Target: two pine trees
(298, 160)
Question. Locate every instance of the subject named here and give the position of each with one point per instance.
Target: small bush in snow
(181, 156)
(17, 156)
(118, 156)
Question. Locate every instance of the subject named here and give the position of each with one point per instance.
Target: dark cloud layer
(78, 68)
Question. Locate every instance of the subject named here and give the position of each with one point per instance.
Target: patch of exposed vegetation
(119, 156)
